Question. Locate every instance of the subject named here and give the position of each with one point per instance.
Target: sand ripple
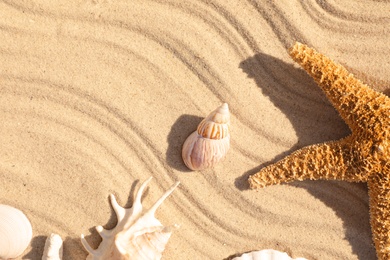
(97, 95)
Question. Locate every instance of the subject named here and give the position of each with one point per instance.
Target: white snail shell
(15, 232)
(210, 142)
(267, 254)
(138, 235)
(53, 248)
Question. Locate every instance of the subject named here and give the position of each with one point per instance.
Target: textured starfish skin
(363, 156)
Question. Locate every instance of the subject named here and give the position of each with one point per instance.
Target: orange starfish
(363, 156)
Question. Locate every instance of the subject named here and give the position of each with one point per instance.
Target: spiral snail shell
(210, 142)
(15, 232)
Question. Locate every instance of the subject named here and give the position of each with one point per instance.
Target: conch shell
(53, 248)
(267, 254)
(210, 142)
(15, 232)
(137, 235)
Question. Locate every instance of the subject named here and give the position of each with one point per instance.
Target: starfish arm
(358, 104)
(379, 193)
(335, 160)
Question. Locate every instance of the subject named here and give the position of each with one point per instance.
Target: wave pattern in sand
(97, 95)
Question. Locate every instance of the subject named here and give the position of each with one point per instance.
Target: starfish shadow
(350, 203)
(296, 94)
(315, 121)
(299, 98)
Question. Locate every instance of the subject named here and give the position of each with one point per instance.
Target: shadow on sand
(291, 89)
(181, 129)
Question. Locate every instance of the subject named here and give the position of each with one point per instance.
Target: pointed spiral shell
(15, 232)
(210, 142)
(138, 235)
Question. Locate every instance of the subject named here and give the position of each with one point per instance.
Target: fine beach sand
(98, 95)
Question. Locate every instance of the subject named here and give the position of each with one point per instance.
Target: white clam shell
(266, 254)
(15, 232)
(138, 234)
(53, 248)
(210, 143)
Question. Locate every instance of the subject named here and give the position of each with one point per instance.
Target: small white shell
(210, 142)
(137, 235)
(53, 248)
(267, 254)
(15, 232)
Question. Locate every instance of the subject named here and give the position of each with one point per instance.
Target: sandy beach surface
(98, 95)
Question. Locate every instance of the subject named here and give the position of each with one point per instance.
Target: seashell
(53, 248)
(210, 142)
(267, 254)
(137, 235)
(15, 232)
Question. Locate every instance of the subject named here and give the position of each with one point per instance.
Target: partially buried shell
(137, 235)
(53, 248)
(15, 232)
(267, 254)
(210, 142)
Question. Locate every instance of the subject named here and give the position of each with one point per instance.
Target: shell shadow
(314, 121)
(37, 244)
(181, 129)
(73, 249)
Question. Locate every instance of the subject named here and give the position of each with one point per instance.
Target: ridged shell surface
(266, 254)
(15, 232)
(210, 143)
(137, 236)
(53, 248)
